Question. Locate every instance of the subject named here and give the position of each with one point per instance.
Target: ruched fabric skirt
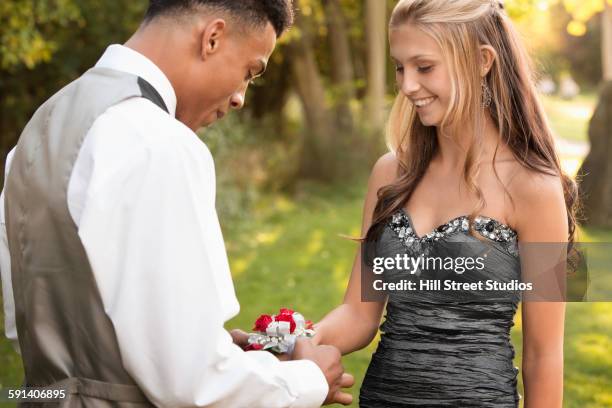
(441, 362)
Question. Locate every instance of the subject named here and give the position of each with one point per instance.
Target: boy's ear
(212, 35)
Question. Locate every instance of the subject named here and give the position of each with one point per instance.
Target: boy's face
(421, 72)
(220, 80)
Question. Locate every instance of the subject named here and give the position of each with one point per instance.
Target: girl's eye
(425, 69)
(399, 68)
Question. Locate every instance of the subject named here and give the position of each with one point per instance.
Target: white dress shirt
(142, 194)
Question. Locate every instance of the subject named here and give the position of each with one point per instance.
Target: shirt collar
(121, 58)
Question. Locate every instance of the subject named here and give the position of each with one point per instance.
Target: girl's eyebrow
(420, 56)
(414, 57)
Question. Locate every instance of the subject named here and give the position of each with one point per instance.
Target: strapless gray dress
(447, 349)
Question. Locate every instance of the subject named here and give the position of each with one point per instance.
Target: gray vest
(67, 340)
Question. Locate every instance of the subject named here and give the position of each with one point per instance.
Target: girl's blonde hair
(460, 28)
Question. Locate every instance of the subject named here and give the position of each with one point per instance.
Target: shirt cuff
(306, 382)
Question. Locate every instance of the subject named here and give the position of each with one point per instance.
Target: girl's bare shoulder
(539, 204)
(385, 170)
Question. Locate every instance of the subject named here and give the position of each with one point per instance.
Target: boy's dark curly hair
(253, 13)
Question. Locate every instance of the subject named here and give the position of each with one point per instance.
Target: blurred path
(572, 153)
(571, 148)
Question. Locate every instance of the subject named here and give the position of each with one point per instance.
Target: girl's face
(421, 72)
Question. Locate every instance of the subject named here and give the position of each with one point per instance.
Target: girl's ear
(487, 57)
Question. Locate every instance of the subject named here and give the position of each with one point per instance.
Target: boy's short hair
(253, 13)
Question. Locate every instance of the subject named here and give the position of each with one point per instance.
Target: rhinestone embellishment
(487, 227)
(494, 230)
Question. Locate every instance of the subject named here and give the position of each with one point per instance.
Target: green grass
(11, 371)
(299, 261)
(289, 253)
(570, 118)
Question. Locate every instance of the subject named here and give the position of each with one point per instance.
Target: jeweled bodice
(487, 227)
(447, 348)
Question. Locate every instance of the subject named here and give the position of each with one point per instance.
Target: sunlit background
(292, 166)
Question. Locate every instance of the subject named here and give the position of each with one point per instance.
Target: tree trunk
(606, 42)
(4, 148)
(270, 97)
(376, 29)
(316, 152)
(596, 171)
(342, 74)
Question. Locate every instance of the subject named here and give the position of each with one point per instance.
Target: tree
(342, 76)
(606, 42)
(27, 39)
(376, 29)
(309, 86)
(581, 11)
(25, 28)
(596, 171)
(45, 44)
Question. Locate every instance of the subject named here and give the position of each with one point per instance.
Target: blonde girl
(471, 161)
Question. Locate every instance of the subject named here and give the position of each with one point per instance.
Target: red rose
(309, 324)
(254, 346)
(286, 318)
(284, 311)
(261, 324)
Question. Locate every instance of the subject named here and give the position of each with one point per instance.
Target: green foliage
(519, 9)
(251, 158)
(45, 44)
(581, 12)
(28, 30)
(584, 53)
(556, 51)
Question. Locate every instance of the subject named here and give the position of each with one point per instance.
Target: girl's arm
(543, 354)
(541, 222)
(352, 325)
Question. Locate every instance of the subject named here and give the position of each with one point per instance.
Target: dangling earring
(487, 97)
